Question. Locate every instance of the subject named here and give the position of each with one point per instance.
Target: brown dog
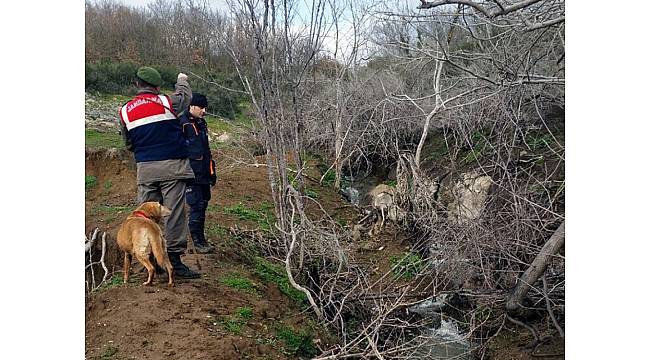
(140, 235)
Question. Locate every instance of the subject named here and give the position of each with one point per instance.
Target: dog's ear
(164, 211)
(151, 208)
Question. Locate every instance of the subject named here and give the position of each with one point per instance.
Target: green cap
(149, 75)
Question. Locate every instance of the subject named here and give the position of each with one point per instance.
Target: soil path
(196, 319)
(187, 321)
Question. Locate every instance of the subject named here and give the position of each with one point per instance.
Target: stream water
(357, 189)
(442, 340)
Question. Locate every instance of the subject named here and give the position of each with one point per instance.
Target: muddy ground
(205, 318)
(191, 320)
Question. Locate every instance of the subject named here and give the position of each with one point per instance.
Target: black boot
(202, 247)
(159, 269)
(181, 270)
(198, 238)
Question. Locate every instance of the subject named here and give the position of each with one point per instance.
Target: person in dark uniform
(197, 193)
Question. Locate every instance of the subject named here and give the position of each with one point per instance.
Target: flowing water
(442, 340)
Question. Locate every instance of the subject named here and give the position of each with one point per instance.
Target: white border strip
(147, 120)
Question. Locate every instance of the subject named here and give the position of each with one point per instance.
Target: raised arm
(182, 95)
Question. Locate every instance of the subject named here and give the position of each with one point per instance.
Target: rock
(101, 115)
(356, 232)
(428, 309)
(225, 137)
(383, 196)
(469, 196)
(429, 306)
(351, 194)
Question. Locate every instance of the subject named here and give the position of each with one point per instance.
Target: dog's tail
(160, 253)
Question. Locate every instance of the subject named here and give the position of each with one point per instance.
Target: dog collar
(139, 213)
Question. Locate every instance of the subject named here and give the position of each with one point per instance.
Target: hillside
(243, 306)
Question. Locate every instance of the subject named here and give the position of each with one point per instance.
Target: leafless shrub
(488, 78)
(92, 264)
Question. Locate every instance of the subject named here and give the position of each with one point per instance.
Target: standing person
(197, 193)
(154, 134)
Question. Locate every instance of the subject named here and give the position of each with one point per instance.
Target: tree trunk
(338, 136)
(536, 269)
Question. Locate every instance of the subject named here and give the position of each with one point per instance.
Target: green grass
(296, 342)
(472, 156)
(91, 181)
(215, 230)
(112, 209)
(115, 281)
(435, 148)
(232, 325)
(111, 212)
(275, 274)
(103, 140)
(406, 266)
(480, 146)
(483, 313)
(107, 185)
(235, 323)
(237, 281)
(212, 208)
(311, 193)
(264, 217)
(245, 313)
(244, 213)
(109, 353)
(218, 125)
(242, 118)
(330, 178)
(539, 141)
(221, 125)
(266, 206)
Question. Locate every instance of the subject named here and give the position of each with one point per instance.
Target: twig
(101, 260)
(547, 355)
(287, 261)
(90, 258)
(528, 327)
(549, 309)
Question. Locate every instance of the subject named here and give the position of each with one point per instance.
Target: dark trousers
(170, 193)
(197, 197)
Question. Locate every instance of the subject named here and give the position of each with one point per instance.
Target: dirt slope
(185, 322)
(208, 318)
(197, 319)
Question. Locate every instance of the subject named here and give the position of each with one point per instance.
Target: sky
(303, 10)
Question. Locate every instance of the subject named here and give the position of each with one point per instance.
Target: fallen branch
(536, 269)
(92, 285)
(101, 260)
(89, 243)
(90, 257)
